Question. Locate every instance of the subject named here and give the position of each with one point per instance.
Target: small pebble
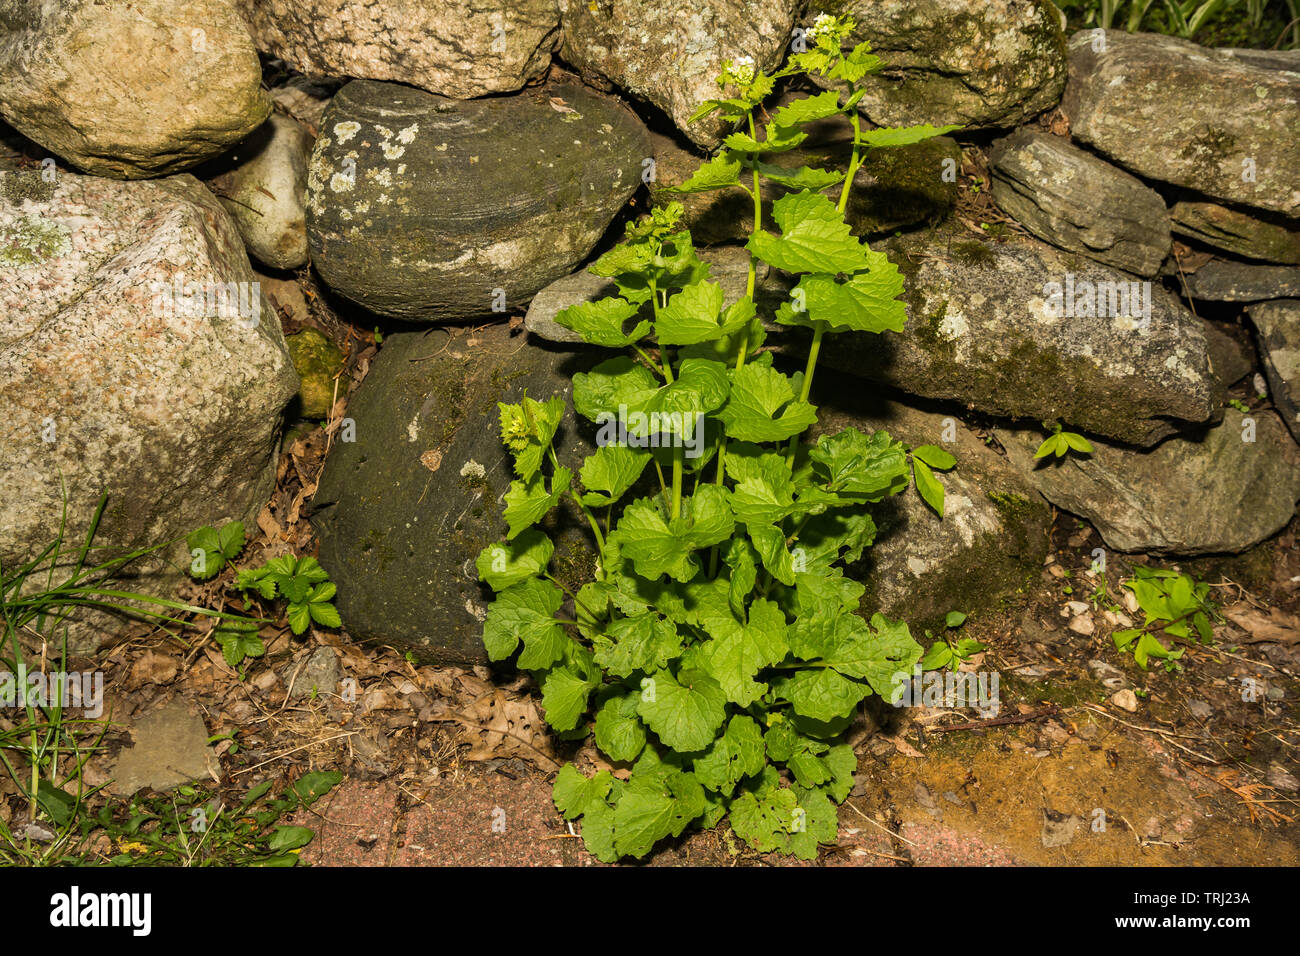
(1125, 700)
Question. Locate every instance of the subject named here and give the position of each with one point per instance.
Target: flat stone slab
(170, 748)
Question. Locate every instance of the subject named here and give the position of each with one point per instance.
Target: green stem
(810, 368)
(678, 452)
(591, 518)
(750, 283)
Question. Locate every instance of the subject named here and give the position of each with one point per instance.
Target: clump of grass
(44, 751)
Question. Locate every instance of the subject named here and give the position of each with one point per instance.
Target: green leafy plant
(719, 648)
(949, 653)
(927, 459)
(193, 827)
(302, 583)
(1172, 603)
(42, 748)
(1060, 442)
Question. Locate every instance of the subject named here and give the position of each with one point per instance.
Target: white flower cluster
(824, 24)
(742, 69)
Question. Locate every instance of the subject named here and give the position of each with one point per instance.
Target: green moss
(972, 252)
(317, 361)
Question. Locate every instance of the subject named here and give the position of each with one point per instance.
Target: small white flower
(825, 23)
(742, 68)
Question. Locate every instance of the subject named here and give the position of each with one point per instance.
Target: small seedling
(948, 653)
(1173, 603)
(1061, 442)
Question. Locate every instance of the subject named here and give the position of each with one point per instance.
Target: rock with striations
(457, 48)
(1024, 330)
(138, 357)
(404, 511)
(1076, 201)
(1237, 232)
(430, 209)
(129, 90)
(1277, 333)
(1224, 491)
(670, 54)
(989, 65)
(1175, 112)
(1226, 281)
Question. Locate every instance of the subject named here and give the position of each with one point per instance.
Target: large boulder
(137, 357)
(430, 209)
(1224, 491)
(1076, 201)
(404, 510)
(457, 48)
(990, 540)
(671, 54)
(993, 64)
(264, 188)
(1277, 333)
(129, 90)
(1239, 233)
(1023, 330)
(1179, 113)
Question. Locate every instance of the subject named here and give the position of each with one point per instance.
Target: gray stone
(990, 541)
(1222, 492)
(1228, 358)
(170, 748)
(980, 330)
(265, 192)
(404, 511)
(995, 64)
(895, 187)
(319, 675)
(1175, 112)
(110, 379)
(457, 48)
(1237, 232)
(129, 90)
(421, 207)
(306, 98)
(1277, 333)
(671, 54)
(1076, 201)
(728, 266)
(1225, 281)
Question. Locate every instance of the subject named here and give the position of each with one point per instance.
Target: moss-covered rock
(317, 361)
(993, 64)
(405, 509)
(990, 541)
(1175, 112)
(986, 327)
